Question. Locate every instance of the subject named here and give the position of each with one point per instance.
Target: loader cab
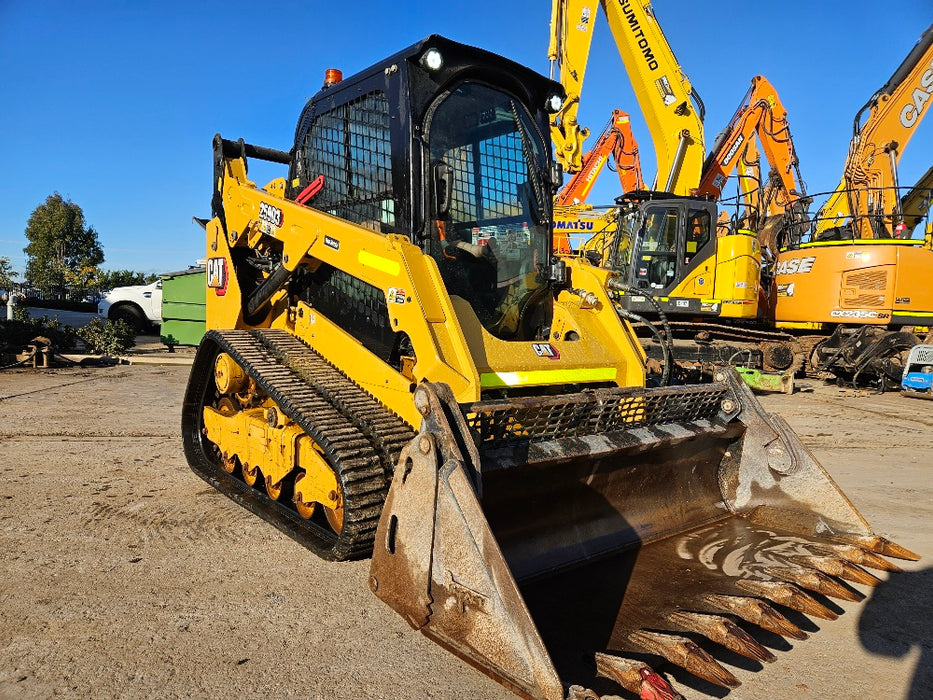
(660, 240)
(444, 144)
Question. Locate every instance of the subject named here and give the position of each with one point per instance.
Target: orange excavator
(859, 280)
(865, 204)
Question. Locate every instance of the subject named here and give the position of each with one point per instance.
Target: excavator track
(359, 437)
(780, 351)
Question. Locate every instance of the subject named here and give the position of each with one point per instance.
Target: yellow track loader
(396, 365)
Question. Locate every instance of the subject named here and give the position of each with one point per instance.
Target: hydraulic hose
(666, 342)
(665, 350)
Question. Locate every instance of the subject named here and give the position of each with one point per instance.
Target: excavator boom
(672, 110)
(760, 113)
(867, 197)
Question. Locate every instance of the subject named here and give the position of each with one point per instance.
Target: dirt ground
(124, 575)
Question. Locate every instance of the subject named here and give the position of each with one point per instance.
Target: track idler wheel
(777, 356)
(335, 514)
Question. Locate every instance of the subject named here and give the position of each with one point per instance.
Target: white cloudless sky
(114, 104)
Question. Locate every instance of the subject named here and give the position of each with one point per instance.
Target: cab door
(659, 248)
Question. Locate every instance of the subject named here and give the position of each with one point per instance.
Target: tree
(61, 247)
(7, 274)
(109, 279)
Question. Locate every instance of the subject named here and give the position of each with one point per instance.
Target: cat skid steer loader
(396, 365)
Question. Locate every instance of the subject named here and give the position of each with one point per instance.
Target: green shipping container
(183, 307)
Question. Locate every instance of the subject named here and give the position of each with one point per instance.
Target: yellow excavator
(676, 260)
(396, 365)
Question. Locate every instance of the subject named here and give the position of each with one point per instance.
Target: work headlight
(554, 103)
(431, 60)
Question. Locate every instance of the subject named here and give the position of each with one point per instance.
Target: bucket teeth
(578, 692)
(625, 672)
(789, 596)
(842, 568)
(857, 555)
(686, 654)
(815, 580)
(636, 677)
(758, 613)
(723, 631)
(881, 545)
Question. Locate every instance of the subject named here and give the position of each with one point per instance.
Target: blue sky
(114, 104)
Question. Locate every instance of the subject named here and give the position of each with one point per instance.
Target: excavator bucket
(566, 545)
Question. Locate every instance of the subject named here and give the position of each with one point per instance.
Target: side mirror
(443, 176)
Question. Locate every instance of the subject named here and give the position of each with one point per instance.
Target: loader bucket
(564, 545)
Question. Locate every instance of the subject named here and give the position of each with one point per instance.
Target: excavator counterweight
(396, 365)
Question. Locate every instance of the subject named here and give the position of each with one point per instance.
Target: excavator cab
(665, 246)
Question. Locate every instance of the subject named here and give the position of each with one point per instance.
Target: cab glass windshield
(490, 236)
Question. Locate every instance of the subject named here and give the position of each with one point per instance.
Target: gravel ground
(124, 575)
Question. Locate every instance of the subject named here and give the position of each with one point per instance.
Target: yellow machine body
(396, 366)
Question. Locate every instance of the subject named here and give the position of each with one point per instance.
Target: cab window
(698, 233)
(491, 241)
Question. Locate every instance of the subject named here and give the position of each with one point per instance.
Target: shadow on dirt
(899, 616)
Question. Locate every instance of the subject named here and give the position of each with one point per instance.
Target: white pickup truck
(139, 305)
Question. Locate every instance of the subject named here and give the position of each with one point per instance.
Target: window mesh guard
(350, 146)
(502, 170)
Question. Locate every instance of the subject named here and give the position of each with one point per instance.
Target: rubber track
(388, 432)
(358, 456)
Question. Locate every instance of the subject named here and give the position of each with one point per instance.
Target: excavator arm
(761, 112)
(617, 140)
(664, 94)
(569, 48)
(868, 188)
(663, 91)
